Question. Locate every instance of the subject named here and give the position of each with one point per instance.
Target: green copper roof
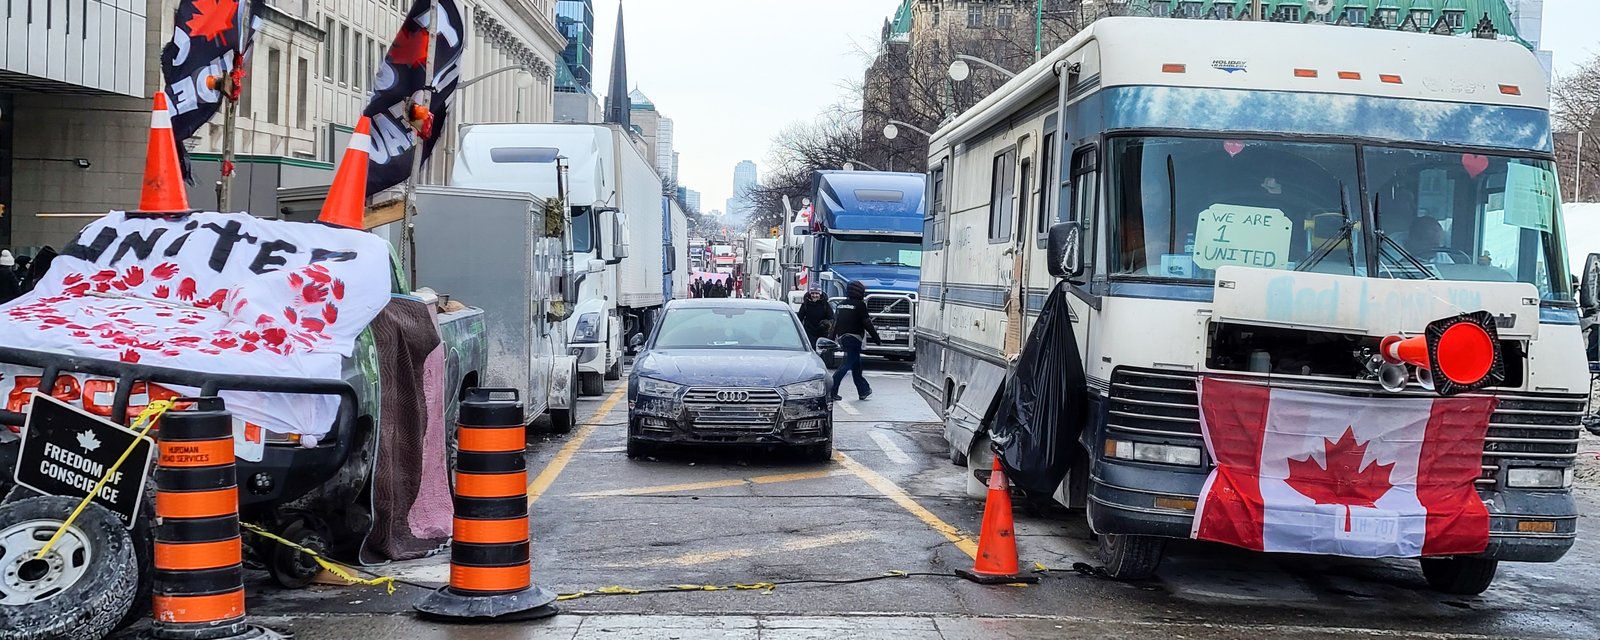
(900, 24)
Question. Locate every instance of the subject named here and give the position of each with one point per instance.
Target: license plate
(66, 450)
(888, 334)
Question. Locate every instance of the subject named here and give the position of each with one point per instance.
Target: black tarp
(1045, 403)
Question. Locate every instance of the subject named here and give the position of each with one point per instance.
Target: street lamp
(892, 131)
(850, 165)
(960, 70)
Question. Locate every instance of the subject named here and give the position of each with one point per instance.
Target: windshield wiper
(1346, 232)
(846, 262)
(1416, 263)
(892, 264)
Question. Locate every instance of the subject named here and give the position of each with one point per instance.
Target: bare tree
(1575, 110)
(798, 151)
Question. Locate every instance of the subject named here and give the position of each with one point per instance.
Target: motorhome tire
(291, 568)
(1459, 576)
(93, 591)
(1129, 557)
(615, 372)
(592, 384)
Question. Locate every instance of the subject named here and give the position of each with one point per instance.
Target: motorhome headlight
(1148, 452)
(588, 328)
(658, 388)
(808, 389)
(1538, 478)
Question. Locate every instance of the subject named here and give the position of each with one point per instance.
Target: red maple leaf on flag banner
(410, 46)
(212, 19)
(1343, 481)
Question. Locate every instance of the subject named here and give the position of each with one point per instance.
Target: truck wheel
(290, 568)
(1459, 576)
(82, 589)
(615, 372)
(593, 384)
(1131, 557)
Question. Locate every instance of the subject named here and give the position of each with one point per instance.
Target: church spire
(618, 107)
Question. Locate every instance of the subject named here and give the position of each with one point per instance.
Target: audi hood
(730, 367)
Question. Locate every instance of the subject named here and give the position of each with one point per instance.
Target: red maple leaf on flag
(410, 46)
(1343, 481)
(212, 19)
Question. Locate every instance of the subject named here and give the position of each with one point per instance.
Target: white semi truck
(614, 198)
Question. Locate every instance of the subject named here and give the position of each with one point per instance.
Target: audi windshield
(729, 328)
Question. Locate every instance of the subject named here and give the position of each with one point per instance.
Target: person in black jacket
(851, 327)
(10, 283)
(816, 315)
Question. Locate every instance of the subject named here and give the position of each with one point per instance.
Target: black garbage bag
(1045, 403)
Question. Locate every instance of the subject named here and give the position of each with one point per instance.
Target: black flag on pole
(400, 80)
(208, 47)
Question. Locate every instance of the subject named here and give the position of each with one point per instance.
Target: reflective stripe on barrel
(198, 587)
(489, 554)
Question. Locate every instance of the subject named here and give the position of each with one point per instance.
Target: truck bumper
(591, 357)
(1148, 499)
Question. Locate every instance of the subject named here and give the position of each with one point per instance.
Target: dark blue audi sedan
(729, 371)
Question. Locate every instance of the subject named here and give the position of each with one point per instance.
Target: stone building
(74, 123)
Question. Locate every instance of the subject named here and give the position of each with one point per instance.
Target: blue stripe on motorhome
(1162, 291)
(1323, 114)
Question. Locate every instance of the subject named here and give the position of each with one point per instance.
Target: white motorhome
(1416, 168)
(616, 225)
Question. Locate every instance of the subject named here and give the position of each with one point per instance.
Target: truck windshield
(898, 252)
(1188, 206)
(582, 230)
(1470, 217)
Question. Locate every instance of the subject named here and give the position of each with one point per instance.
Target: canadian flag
(1306, 472)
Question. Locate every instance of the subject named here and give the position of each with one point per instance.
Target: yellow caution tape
(343, 572)
(146, 419)
(1039, 566)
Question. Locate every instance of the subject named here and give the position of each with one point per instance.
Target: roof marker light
(1349, 75)
(1305, 73)
(1174, 68)
(1511, 90)
(1390, 78)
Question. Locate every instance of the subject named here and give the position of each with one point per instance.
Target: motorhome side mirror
(1065, 250)
(636, 341)
(619, 238)
(824, 345)
(1589, 286)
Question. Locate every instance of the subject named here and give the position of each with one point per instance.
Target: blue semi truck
(867, 227)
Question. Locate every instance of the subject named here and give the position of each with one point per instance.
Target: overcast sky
(732, 73)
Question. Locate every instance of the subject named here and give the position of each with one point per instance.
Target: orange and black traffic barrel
(491, 575)
(198, 591)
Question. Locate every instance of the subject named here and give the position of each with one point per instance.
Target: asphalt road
(891, 502)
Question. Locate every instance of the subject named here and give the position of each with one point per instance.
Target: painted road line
(814, 542)
(847, 408)
(714, 484)
(542, 482)
(895, 454)
(899, 496)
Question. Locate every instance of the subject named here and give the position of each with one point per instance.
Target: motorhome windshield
(897, 252)
(582, 230)
(1186, 206)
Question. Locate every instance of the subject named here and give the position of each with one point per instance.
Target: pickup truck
(302, 472)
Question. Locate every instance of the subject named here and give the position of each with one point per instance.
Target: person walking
(816, 315)
(10, 284)
(851, 328)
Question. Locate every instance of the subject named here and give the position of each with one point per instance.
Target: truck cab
(867, 227)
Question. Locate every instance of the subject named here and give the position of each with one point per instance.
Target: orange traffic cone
(346, 204)
(163, 190)
(997, 543)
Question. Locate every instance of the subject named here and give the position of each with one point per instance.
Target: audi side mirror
(1064, 254)
(825, 345)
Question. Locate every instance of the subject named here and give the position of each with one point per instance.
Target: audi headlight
(659, 388)
(808, 389)
(588, 328)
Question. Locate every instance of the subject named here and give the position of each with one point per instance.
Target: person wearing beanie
(851, 327)
(10, 283)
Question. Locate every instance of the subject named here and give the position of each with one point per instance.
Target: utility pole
(1577, 177)
(1038, 30)
(408, 228)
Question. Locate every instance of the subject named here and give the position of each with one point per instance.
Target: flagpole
(230, 116)
(408, 232)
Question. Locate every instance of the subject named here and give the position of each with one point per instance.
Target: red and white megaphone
(1453, 355)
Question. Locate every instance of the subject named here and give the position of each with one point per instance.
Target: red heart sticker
(1474, 163)
(1233, 147)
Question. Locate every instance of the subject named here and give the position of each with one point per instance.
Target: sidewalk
(787, 627)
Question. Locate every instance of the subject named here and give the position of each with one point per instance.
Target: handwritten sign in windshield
(1239, 235)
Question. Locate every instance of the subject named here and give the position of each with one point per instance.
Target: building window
(1423, 18)
(1002, 193)
(974, 17)
(1191, 9)
(327, 49)
(1355, 15)
(1222, 11)
(1289, 13)
(1389, 17)
(1161, 9)
(1003, 21)
(1456, 19)
(344, 54)
(937, 14)
(274, 84)
(357, 54)
(300, 88)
